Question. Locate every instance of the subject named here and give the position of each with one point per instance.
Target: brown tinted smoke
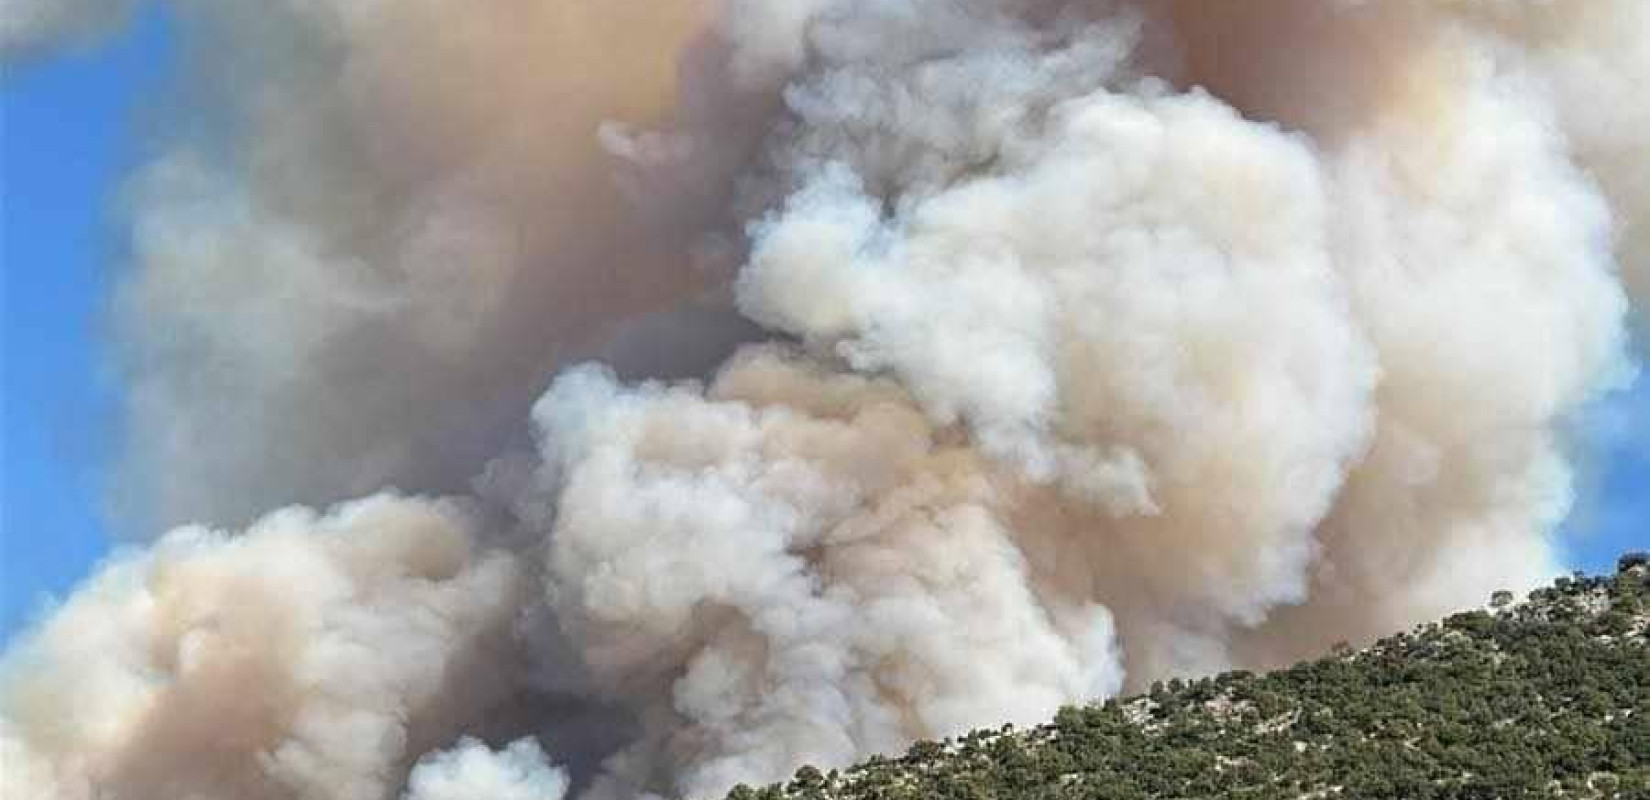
(1064, 346)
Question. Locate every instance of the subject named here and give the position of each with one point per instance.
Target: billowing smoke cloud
(840, 582)
(518, 772)
(307, 657)
(1106, 341)
(422, 222)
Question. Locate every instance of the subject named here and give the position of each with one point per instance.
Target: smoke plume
(1063, 346)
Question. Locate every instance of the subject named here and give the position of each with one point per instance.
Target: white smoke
(1113, 341)
(796, 568)
(473, 772)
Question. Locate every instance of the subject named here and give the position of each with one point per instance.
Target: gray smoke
(1108, 341)
(29, 26)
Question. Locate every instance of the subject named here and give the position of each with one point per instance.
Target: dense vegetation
(1545, 698)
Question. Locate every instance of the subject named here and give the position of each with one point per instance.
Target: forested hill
(1545, 698)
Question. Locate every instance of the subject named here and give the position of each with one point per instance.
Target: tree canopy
(1545, 698)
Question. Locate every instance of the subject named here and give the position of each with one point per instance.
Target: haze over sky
(73, 125)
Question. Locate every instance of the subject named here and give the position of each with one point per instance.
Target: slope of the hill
(1545, 698)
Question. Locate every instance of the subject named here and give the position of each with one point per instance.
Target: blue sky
(69, 129)
(67, 134)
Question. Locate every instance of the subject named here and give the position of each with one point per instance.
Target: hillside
(1545, 698)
